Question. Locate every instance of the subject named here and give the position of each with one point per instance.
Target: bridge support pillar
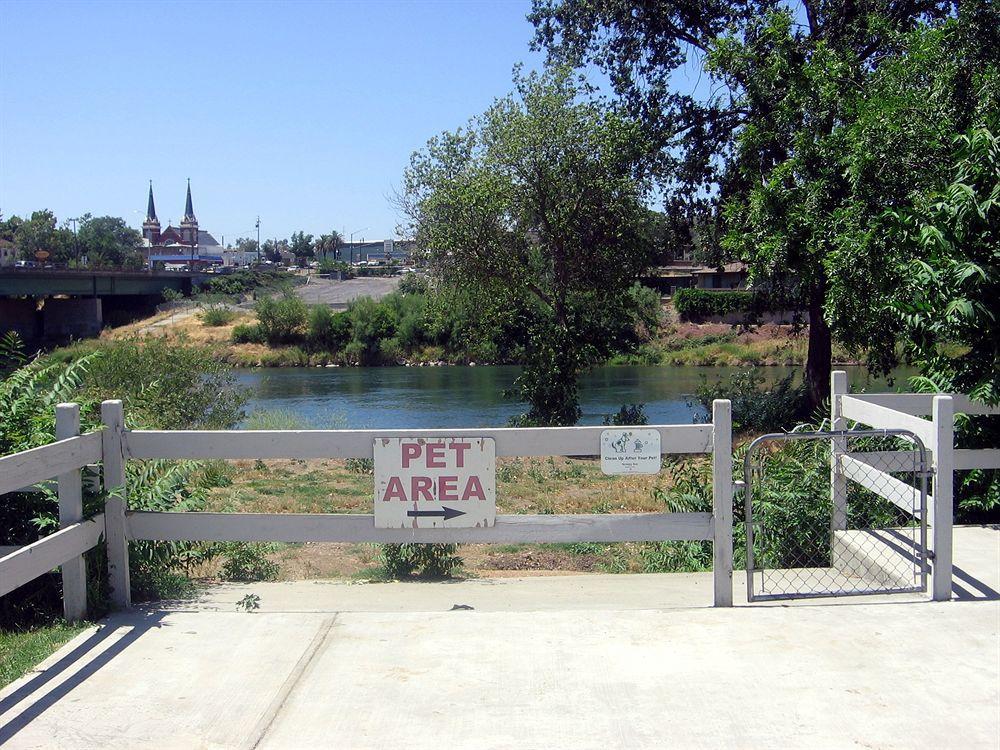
(76, 317)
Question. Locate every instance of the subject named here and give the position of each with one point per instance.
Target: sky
(304, 113)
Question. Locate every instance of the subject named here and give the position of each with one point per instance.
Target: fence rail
(510, 441)
(318, 527)
(34, 466)
(33, 560)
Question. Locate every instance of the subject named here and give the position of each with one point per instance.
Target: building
(183, 245)
(686, 274)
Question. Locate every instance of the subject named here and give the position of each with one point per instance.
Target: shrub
(756, 406)
(217, 315)
(248, 333)
(167, 385)
(282, 320)
(327, 330)
(430, 560)
(413, 283)
(248, 561)
(697, 304)
(628, 414)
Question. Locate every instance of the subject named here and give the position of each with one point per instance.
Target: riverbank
(675, 343)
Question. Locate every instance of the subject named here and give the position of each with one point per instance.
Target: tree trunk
(818, 360)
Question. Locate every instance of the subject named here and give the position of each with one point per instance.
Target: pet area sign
(426, 483)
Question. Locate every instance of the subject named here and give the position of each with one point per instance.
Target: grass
(524, 485)
(22, 651)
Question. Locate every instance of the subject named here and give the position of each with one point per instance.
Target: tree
(40, 234)
(108, 241)
(950, 302)
(540, 197)
(765, 144)
(329, 244)
(301, 245)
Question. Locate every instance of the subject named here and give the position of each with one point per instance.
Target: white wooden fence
(115, 445)
(907, 411)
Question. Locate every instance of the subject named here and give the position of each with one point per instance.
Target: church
(185, 245)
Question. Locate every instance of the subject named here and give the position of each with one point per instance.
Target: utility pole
(258, 240)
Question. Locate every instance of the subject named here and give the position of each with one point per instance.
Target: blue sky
(303, 112)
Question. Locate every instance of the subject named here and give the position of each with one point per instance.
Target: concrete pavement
(574, 661)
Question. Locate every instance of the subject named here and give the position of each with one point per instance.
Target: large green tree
(540, 198)
(39, 233)
(814, 118)
(108, 241)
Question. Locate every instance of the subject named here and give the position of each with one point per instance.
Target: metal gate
(835, 514)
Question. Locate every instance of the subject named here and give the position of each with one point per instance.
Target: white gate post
(943, 447)
(838, 482)
(722, 502)
(74, 572)
(113, 456)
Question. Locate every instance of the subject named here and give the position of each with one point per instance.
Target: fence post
(113, 417)
(943, 447)
(74, 572)
(722, 502)
(838, 482)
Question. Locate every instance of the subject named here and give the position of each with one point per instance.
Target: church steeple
(150, 206)
(151, 226)
(189, 224)
(188, 208)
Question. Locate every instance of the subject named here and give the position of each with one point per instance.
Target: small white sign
(426, 483)
(630, 451)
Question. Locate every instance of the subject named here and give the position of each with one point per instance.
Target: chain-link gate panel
(835, 514)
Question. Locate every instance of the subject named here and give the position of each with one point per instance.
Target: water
(440, 397)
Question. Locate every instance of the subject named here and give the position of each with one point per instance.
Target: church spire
(188, 208)
(151, 207)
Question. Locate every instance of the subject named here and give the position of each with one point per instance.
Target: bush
(628, 414)
(217, 315)
(430, 560)
(413, 283)
(282, 320)
(167, 385)
(327, 330)
(248, 333)
(698, 304)
(248, 561)
(756, 407)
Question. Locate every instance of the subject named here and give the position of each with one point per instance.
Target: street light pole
(356, 231)
(258, 240)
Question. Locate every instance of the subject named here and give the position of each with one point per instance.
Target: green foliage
(757, 406)
(248, 333)
(327, 330)
(539, 202)
(248, 561)
(108, 241)
(698, 304)
(283, 320)
(628, 414)
(951, 295)
(172, 295)
(217, 315)
(428, 560)
(414, 283)
(248, 281)
(166, 385)
(821, 117)
(23, 649)
(249, 603)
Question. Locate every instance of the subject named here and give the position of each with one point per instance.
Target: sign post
(423, 483)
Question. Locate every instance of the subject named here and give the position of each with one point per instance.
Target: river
(440, 397)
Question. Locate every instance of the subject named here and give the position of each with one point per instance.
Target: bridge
(59, 303)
